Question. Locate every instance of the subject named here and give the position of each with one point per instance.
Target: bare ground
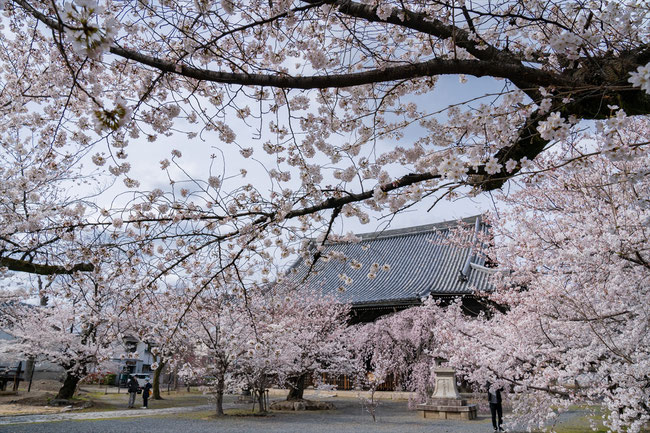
(87, 398)
(22, 402)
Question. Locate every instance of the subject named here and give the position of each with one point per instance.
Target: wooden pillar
(19, 370)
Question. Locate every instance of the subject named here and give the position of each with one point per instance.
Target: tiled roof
(419, 265)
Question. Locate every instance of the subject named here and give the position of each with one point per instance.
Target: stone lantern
(446, 402)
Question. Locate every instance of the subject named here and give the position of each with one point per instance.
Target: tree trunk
(219, 394)
(156, 381)
(69, 387)
(260, 399)
(296, 391)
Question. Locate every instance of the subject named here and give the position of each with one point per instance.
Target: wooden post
(19, 369)
(31, 366)
(3, 379)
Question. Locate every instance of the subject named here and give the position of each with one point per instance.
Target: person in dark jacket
(132, 387)
(145, 394)
(495, 408)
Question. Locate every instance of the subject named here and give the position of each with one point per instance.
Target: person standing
(132, 387)
(494, 397)
(145, 394)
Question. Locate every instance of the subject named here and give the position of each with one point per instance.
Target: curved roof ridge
(425, 228)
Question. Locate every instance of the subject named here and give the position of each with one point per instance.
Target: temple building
(392, 270)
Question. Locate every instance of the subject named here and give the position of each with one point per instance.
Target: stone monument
(446, 402)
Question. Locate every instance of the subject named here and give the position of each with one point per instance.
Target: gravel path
(393, 416)
(71, 416)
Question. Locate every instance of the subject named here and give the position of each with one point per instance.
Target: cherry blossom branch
(317, 254)
(639, 260)
(422, 23)
(261, 22)
(334, 202)
(488, 65)
(599, 318)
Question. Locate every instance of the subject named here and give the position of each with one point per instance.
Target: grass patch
(582, 423)
(114, 401)
(579, 427)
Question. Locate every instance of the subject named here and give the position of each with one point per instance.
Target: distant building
(133, 357)
(411, 264)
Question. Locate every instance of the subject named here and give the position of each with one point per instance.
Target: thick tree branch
(35, 268)
(528, 145)
(608, 74)
(476, 68)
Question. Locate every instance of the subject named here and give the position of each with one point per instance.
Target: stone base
(447, 402)
(245, 399)
(455, 411)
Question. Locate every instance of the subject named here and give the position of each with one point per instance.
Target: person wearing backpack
(146, 390)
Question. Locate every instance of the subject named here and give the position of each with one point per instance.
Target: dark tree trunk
(296, 391)
(219, 393)
(260, 398)
(69, 387)
(156, 381)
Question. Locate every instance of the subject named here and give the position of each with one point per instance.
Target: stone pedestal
(446, 402)
(245, 397)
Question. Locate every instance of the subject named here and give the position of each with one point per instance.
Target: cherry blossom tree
(329, 88)
(153, 318)
(215, 330)
(313, 330)
(276, 337)
(573, 322)
(74, 329)
(402, 345)
(234, 345)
